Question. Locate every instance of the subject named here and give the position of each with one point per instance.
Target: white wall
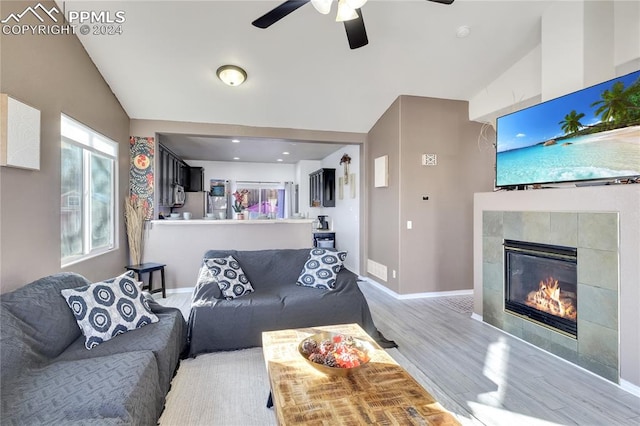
(516, 88)
(626, 55)
(582, 43)
(563, 47)
(264, 172)
(345, 216)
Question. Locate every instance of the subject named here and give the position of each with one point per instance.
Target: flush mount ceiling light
(231, 75)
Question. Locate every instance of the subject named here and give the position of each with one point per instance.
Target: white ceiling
(247, 150)
(301, 72)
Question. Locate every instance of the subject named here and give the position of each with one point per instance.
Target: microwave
(178, 196)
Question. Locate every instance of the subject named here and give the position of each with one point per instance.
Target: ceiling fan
(348, 12)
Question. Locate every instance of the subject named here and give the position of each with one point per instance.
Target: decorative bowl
(357, 349)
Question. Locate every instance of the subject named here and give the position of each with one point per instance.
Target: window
(87, 192)
(266, 199)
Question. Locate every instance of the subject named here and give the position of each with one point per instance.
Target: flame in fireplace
(551, 299)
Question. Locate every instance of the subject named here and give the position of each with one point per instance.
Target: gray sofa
(217, 324)
(49, 377)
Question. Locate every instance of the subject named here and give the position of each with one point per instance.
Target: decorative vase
(240, 216)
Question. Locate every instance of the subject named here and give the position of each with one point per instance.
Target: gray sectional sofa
(49, 377)
(276, 302)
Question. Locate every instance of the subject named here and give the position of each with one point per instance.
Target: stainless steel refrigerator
(217, 199)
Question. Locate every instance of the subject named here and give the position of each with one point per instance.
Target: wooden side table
(150, 268)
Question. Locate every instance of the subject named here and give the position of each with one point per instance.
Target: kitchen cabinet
(324, 239)
(322, 188)
(194, 179)
(172, 171)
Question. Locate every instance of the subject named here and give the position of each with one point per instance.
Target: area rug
(231, 389)
(222, 388)
(460, 304)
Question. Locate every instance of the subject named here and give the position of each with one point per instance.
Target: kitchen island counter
(230, 222)
(181, 244)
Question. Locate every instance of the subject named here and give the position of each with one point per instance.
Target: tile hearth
(596, 236)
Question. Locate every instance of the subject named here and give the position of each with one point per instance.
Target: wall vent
(376, 269)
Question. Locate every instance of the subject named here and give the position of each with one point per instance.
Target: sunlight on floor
(496, 363)
(490, 404)
(502, 417)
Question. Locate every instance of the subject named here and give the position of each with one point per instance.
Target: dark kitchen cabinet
(195, 179)
(172, 171)
(322, 188)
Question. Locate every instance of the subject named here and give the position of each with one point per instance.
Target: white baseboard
(416, 295)
(476, 317)
(630, 387)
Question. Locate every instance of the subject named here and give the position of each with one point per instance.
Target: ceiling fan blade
(356, 33)
(442, 1)
(277, 13)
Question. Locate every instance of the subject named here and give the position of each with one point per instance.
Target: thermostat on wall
(429, 159)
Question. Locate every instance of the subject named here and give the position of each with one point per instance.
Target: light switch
(409, 224)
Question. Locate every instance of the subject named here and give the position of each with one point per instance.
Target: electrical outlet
(393, 273)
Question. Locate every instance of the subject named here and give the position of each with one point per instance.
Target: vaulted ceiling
(301, 72)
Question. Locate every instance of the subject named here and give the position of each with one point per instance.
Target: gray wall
(437, 253)
(383, 204)
(55, 75)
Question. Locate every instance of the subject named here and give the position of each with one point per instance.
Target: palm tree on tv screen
(617, 103)
(571, 122)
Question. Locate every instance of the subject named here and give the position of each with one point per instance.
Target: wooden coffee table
(380, 392)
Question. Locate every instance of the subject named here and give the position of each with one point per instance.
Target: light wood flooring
(484, 375)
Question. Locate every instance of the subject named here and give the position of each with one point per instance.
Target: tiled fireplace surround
(595, 235)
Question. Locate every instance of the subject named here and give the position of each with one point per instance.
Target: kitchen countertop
(173, 222)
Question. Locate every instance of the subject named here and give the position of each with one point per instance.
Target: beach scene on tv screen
(587, 135)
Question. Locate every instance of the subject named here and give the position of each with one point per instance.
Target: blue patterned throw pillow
(106, 309)
(321, 268)
(207, 283)
(231, 279)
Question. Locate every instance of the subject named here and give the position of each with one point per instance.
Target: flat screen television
(589, 135)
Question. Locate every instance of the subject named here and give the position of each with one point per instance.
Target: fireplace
(541, 284)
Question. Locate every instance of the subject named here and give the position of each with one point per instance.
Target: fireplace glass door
(541, 284)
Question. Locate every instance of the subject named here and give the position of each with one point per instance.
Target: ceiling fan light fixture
(322, 6)
(231, 75)
(345, 12)
(355, 4)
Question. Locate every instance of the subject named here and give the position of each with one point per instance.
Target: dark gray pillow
(52, 326)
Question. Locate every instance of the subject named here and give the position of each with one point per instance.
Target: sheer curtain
(289, 199)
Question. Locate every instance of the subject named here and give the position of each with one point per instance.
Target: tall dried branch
(134, 221)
